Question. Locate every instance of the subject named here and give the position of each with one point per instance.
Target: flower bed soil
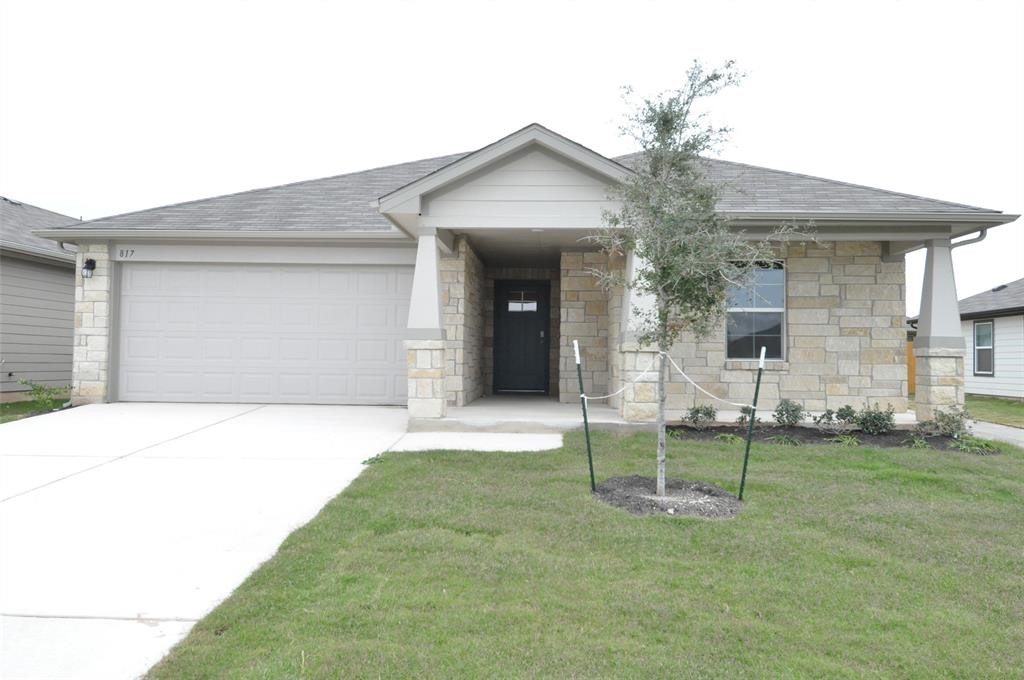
(636, 494)
(805, 435)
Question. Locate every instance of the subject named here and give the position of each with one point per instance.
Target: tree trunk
(662, 366)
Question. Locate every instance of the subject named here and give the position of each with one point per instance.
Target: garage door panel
(263, 333)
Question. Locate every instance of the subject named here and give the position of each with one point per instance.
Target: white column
(633, 302)
(939, 346)
(425, 301)
(938, 325)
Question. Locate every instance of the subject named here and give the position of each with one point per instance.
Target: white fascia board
(37, 254)
(532, 134)
(987, 219)
(75, 235)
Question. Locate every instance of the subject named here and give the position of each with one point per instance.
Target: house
(993, 330)
(37, 299)
(436, 282)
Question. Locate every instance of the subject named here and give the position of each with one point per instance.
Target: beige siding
(533, 187)
(37, 303)
(1007, 379)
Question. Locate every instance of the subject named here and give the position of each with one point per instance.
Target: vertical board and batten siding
(531, 187)
(1008, 362)
(37, 312)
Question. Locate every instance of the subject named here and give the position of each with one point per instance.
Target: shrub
(701, 417)
(968, 443)
(46, 398)
(729, 438)
(784, 440)
(845, 440)
(745, 413)
(829, 422)
(955, 423)
(874, 420)
(846, 415)
(789, 413)
(916, 441)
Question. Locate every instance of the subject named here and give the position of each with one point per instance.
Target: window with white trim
(984, 348)
(757, 314)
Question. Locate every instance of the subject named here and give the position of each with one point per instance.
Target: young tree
(687, 256)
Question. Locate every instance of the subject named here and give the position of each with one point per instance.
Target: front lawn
(13, 410)
(996, 410)
(845, 562)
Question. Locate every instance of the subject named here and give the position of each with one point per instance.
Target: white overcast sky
(110, 107)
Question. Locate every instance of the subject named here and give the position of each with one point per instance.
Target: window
(984, 342)
(757, 314)
(521, 301)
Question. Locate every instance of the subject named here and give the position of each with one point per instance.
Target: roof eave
(72, 235)
(765, 217)
(36, 252)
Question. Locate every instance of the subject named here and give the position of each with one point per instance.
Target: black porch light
(87, 268)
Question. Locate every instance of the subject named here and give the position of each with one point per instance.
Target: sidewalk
(1002, 433)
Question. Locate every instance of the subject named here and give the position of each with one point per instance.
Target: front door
(521, 336)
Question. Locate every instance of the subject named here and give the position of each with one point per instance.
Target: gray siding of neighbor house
(37, 309)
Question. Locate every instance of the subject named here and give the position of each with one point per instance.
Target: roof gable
(19, 220)
(405, 199)
(1003, 298)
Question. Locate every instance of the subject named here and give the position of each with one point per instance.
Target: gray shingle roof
(1000, 299)
(750, 188)
(345, 202)
(19, 220)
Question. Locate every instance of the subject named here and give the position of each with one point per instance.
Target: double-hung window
(757, 314)
(984, 346)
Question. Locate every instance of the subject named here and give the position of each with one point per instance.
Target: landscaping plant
(874, 420)
(744, 418)
(789, 413)
(955, 423)
(685, 255)
(701, 417)
(46, 398)
(845, 440)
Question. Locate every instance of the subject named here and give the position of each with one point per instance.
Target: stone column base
(939, 381)
(426, 378)
(639, 403)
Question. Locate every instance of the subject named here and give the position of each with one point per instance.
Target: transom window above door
(521, 301)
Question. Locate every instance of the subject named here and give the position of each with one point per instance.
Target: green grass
(845, 562)
(12, 410)
(996, 410)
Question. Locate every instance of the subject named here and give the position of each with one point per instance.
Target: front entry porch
(524, 413)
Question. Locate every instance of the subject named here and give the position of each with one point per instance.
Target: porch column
(639, 402)
(939, 347)
(424, 345)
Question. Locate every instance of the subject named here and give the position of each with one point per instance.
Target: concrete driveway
(123, 524)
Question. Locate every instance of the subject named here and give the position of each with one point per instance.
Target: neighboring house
(37, 299)
(993, 327)
(436, 282)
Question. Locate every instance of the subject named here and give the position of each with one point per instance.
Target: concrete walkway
(123, 524)
(1002, 433)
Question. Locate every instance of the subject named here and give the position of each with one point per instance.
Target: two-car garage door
(262, 333)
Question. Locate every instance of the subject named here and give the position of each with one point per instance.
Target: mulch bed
(636, 495)
(805, 435)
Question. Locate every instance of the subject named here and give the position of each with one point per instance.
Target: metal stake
(586, 422)
(750, 425)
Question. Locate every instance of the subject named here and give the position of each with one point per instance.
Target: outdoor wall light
(87, 268)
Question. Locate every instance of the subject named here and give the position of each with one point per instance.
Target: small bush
(968, 443)
(846, 415)
(46, 398)
(729, 438)
(845, 440)
(830, 423)
(744, 419)
(784, 440)
(789, 413)
(955, 423)
(701, 417)
(875, 421)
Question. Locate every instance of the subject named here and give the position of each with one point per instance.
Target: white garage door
(260, 333)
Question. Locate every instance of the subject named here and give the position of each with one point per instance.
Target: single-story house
(37, 299)
(436, 282)
(993, 329)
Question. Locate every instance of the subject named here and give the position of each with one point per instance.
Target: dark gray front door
(521, 336)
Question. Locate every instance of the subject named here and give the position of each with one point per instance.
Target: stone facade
(845, 341)
(493, 274)
(939, 378)
(427, 385)
(462, 309)
(90, 374)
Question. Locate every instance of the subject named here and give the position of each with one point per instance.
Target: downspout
(980, 237)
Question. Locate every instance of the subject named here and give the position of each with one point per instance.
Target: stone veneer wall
(845, 341)
(93, 299)
(586, 317)
(462, 309)
(493, 274)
